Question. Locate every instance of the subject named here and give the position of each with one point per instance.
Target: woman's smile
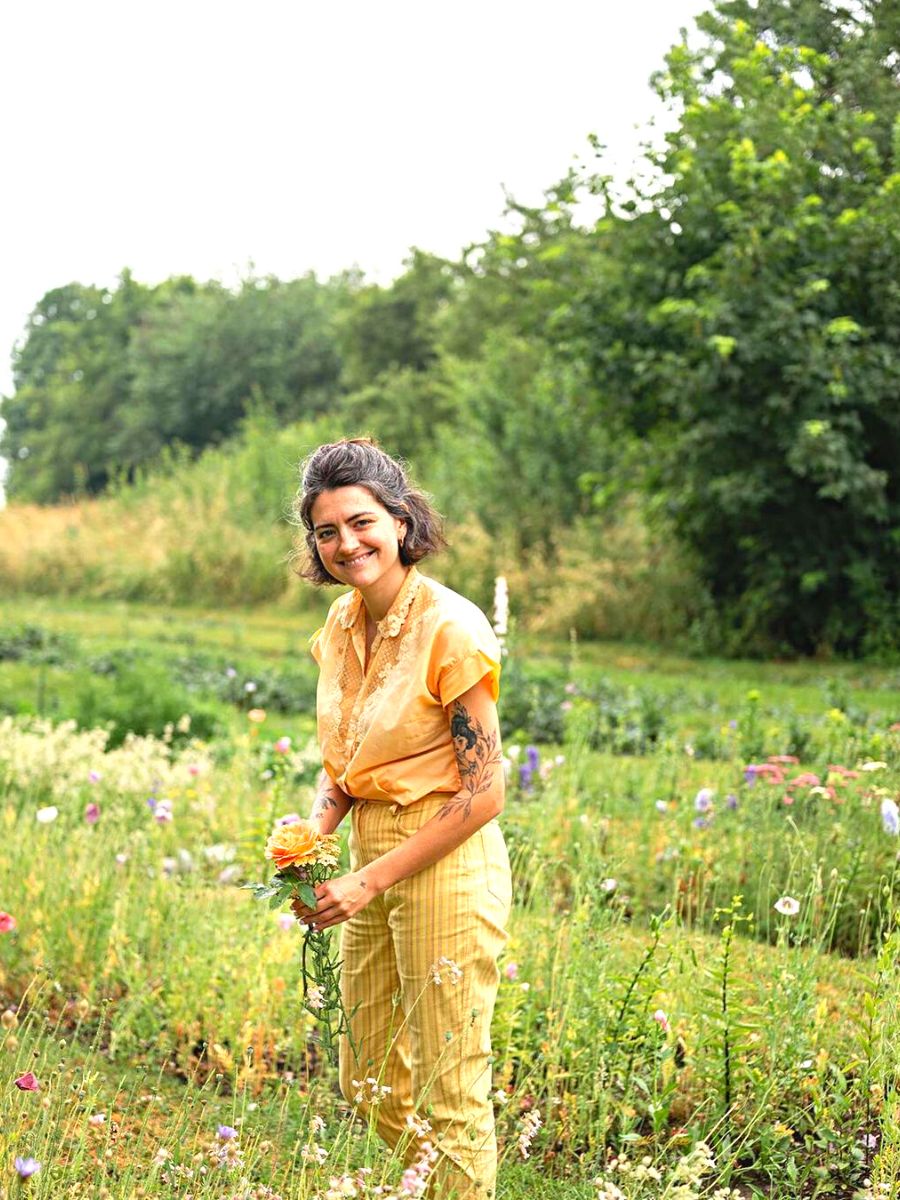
(357, 559)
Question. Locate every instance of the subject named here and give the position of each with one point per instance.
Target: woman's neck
(382, 594)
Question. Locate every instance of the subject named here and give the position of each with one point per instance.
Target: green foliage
(704, 378)
(107, 380)
(755, 339)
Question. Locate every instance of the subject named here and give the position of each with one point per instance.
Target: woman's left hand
(339, 899)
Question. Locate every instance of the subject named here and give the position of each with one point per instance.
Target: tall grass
(217, 531)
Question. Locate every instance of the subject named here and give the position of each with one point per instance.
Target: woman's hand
(338, 899)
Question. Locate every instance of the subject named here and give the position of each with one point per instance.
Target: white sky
(199, 137)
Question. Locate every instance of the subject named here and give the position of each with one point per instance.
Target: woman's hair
(360, 462)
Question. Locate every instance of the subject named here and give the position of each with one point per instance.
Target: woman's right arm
(330, 806)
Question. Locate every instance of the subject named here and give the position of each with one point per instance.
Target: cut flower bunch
(304, 858)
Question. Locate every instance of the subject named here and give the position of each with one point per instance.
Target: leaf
(307, 895)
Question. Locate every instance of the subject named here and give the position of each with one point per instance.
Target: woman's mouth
(357, 559)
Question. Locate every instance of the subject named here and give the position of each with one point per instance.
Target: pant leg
(455, 910)
(370, 985)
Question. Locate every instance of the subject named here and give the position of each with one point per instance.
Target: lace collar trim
(392, 621)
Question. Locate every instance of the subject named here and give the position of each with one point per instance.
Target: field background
(664, 410)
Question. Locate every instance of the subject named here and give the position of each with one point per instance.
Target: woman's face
(358, 541)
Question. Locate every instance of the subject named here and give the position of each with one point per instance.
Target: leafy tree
(385, 329)
(72, 384)
(751, 331)
(200, 360)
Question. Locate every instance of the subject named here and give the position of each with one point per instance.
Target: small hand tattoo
(477, 753)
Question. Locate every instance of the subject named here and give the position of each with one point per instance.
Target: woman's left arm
(476, 735)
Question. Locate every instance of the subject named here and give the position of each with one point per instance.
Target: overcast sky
(199, 137)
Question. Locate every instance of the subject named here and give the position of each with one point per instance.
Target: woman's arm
(330, 806)
(476, 736)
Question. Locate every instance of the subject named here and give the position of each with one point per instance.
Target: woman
(407, 723)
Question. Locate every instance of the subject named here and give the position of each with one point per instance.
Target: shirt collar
(393, 620)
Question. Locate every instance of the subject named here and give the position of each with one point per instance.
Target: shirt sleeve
(314, 648)
(464, 652)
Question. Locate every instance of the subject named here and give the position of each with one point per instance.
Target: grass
(652, 997)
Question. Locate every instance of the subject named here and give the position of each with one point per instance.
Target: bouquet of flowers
(303, 858)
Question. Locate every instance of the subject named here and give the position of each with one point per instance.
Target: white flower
(454, 972)
(874, 766)
(787, 906)
(48, 814)
(501, 606)
(315, 996)
(608, 885)
(531, 1123)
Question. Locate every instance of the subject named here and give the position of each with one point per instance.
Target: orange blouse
(384, 733)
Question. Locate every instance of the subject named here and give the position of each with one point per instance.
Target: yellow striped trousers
(420, 969)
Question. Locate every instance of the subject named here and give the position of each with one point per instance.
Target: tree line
(720, 346)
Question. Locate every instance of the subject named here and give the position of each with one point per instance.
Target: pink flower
(97, 1119)
(511, 971)
(786, 799)
(662, 1020)
(193, 769)
(283, 745)
(7, 922)
(286, 921)
(92, 814)
(94, 776)
(28, 1082)
(806, 779)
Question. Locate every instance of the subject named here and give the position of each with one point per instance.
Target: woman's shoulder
(450, 610)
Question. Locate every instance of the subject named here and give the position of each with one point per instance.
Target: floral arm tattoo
(327, 798)
(477, 754)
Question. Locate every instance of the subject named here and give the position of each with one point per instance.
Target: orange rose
(292, 845)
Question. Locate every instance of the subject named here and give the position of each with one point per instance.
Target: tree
(751, 332)
(72, 384)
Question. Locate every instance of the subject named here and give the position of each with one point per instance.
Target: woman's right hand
(300, 910)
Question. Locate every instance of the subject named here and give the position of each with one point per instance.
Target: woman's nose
(348, 540)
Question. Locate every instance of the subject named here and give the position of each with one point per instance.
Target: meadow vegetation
(701, 956)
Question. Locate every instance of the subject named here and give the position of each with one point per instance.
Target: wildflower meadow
(700, 992)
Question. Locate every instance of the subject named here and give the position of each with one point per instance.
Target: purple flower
(890, 816)
(700, 823)
(151, 803)
(732, 724)
(225, 1133)
(731, 800)
(704, 799)
(750, 774)
(94, 776)
(533, 757)
(27, 1167)
(525, 774)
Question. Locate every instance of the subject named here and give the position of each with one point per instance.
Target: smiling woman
(408, 730)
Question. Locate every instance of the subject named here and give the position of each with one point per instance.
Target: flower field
(700, 994)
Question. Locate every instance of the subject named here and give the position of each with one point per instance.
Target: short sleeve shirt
(385, 733)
